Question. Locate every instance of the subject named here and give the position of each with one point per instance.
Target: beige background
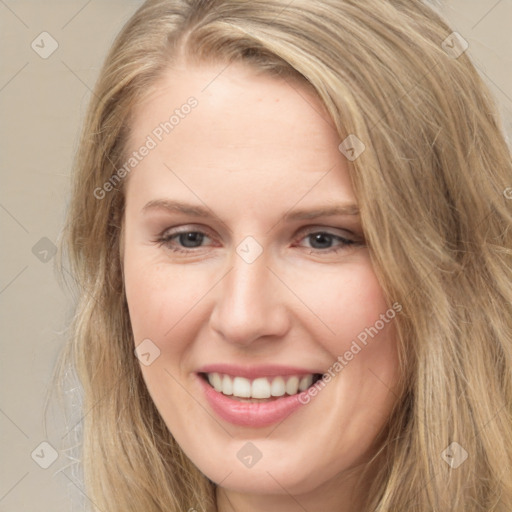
(42, 102)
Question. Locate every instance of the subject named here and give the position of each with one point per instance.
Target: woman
(291, 229)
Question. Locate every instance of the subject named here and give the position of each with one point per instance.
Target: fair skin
(253, 151)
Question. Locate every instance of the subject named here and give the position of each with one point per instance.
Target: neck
(343, 493)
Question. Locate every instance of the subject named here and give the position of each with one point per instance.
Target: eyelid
(168, 237)
(187, 228)
(307, 230)
(339, 232)
(345, 236)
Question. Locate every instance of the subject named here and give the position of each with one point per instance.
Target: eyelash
(167, 237)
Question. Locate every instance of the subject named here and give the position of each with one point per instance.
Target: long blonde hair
(431, 188)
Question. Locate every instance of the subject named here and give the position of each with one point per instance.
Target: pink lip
(253, 372)
(250, 414)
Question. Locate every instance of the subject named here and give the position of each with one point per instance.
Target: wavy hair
(431, 187)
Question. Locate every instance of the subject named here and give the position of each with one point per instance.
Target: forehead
(229, 97)
(246, 129)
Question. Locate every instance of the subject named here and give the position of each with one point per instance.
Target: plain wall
(42, 102)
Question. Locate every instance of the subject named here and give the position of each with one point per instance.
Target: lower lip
(251, 414)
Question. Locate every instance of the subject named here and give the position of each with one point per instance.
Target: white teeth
(305, 382)
(262, 387)
(241, 387)
(227, 385)
(292, 385)
(277, 388)
(215, 381)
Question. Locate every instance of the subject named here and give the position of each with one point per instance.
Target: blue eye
(188, 241)
(184, 241)
(191, 239)
(326, 242)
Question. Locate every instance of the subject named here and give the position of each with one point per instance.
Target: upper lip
(253, 372)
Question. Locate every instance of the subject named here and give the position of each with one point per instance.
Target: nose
(250, 303)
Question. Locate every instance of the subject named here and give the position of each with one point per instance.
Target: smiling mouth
(261, 389)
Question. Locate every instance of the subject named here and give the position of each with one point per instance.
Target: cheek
(347, 303)
(159, 297)
(344, 305)
(354, 324)
(160, 304)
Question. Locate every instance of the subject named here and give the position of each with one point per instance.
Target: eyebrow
(348, 209)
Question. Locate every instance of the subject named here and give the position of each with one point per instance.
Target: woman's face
(246, 272)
